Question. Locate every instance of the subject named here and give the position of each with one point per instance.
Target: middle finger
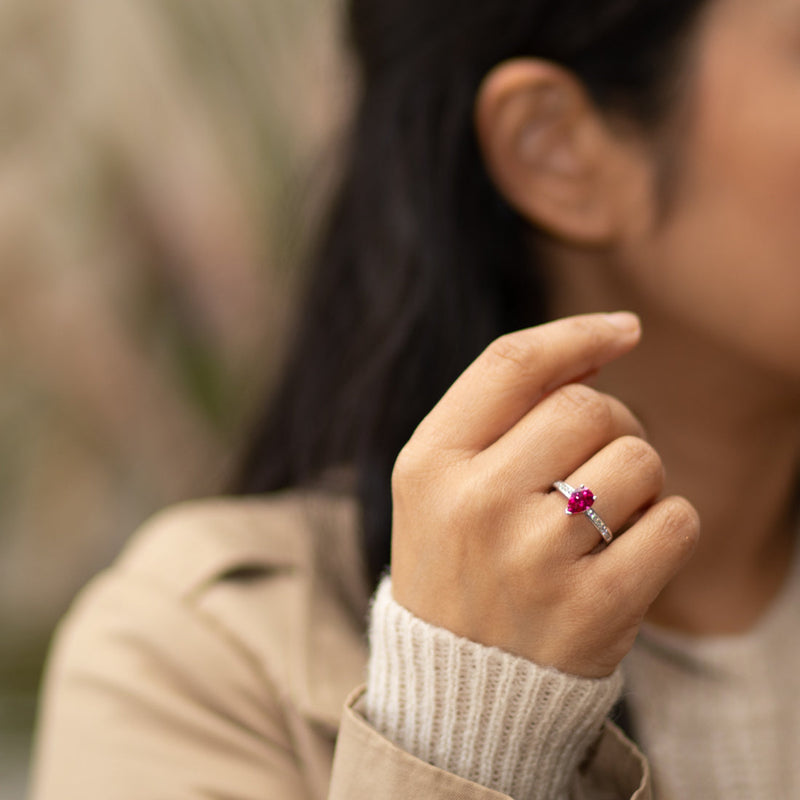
(564, 431)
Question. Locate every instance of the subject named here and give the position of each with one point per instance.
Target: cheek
(727, 258)
(728, 262)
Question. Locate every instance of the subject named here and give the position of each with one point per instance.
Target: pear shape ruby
(582, 499)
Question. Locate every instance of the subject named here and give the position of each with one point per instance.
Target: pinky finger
(652, 551)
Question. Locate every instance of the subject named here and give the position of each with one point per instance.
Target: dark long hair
(421, 263)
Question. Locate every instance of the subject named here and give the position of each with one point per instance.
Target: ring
(581, 501)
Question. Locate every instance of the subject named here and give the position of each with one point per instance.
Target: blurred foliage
(147, 150)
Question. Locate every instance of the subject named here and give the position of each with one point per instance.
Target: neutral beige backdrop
(153, 159)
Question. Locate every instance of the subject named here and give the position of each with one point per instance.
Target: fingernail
(624, 321)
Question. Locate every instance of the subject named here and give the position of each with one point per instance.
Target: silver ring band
(580, 502)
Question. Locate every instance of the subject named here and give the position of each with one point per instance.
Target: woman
(511, 163)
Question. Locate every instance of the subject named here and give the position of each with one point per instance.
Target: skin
(717, 286)
(480, 545)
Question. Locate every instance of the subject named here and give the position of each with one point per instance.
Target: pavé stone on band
(580, 501)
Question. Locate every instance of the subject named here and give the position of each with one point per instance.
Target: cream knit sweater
(487, 716)
(718, 718)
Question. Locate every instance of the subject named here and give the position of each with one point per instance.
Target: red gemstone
(582, 500)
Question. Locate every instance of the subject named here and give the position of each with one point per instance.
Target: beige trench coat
(219, 659)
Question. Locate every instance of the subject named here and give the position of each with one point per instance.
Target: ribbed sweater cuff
(478, 712)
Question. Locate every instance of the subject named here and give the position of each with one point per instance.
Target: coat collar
(281, 575)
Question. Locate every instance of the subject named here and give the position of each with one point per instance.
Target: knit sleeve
(478, 712)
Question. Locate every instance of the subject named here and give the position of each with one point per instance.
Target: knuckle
(406, 467)
(681, 521)
(593, 407)
(508, 351)
(642, 459)
(681, 514)
(587, 329)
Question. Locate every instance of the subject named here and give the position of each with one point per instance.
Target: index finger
(519, 369)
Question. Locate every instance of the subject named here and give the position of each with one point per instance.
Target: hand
(481, 544)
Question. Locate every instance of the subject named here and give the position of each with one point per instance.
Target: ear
(551, 154)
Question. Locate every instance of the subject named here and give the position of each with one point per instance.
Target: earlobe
(544, 146)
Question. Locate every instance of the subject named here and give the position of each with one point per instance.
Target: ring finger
(626, 477)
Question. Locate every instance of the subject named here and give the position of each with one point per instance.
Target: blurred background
(155, 159)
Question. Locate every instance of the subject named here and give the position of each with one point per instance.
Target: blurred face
(726, 259)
